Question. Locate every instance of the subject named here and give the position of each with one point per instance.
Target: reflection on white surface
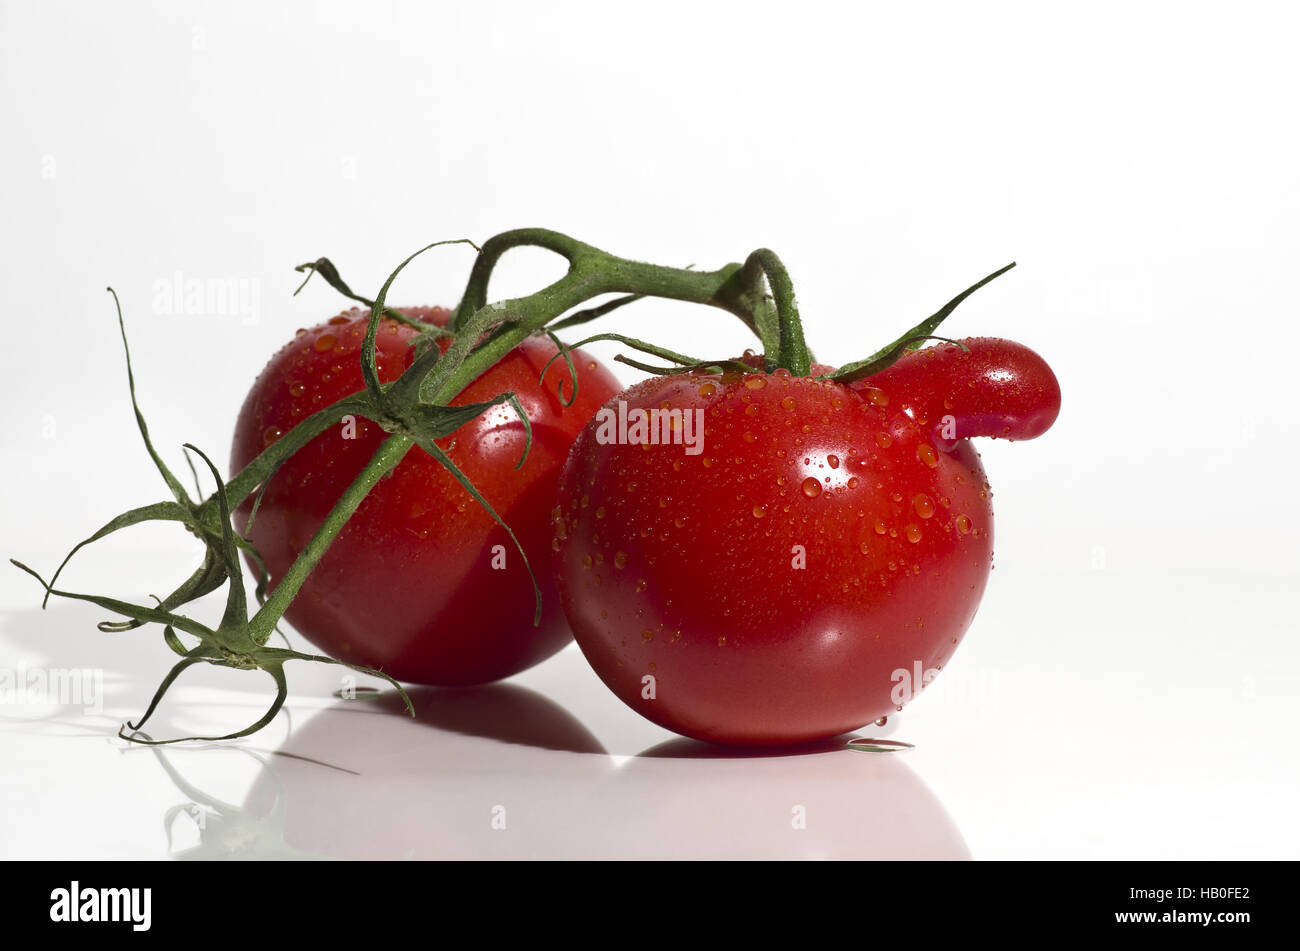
(226, 831)
(1083, 738)
(502, 772)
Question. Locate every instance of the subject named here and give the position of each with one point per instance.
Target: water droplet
(640, 584)
(787, 402)
(749, 437)
(647, 635)
(340, 319)
(924, 507)
(755, 382)
(884, 440)
(555, 544)
(927, 455)
(707, 389)
(963, 524)
(880, 528)
(913, 532)
(722, 642)
(586, 561)
(620, 559)
(811, 487)
(325, 343)
(297, 389)
(833, 461)
(758, 511)
(897, 496)
(882, 721)
(271, 435)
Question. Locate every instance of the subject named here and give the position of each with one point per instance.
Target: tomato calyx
(887, 356)
(233, 643)
(330, 274)
(680, 362)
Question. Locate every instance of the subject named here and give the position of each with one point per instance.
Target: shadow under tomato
(684, 799)
(685, 748)
(506, 713)
(479, 772)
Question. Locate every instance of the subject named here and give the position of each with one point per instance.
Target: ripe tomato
(825, 546)
(414, 584)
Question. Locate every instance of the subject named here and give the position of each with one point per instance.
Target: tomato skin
(408, 586)
(992, 387)
(685, 569)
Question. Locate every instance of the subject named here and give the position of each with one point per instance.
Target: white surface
(1129, 687)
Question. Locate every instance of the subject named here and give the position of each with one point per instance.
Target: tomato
(813, 562)
(415, 584)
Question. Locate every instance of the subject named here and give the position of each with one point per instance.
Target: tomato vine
(415, 411)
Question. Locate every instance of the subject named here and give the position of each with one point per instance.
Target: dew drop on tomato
(811, 487)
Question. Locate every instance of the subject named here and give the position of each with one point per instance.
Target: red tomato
(409, 586)
(820, 555)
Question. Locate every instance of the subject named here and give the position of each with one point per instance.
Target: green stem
(386, 457)
(593, 272)
(791, 350)
(241, 486)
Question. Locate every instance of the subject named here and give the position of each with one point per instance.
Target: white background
(1129, 687)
